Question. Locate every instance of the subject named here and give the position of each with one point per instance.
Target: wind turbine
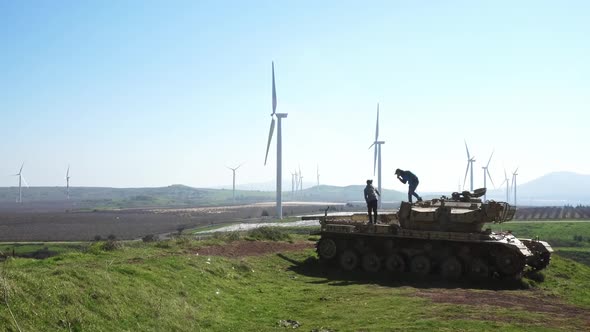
(514, 184)
(470, 161)
(486, 174)
(377, 143)
(293, 182)
(507, 181)
(68, 182)
(279, 116)
(318, 176)
(21, 178)
(300, 182)
(234, 181)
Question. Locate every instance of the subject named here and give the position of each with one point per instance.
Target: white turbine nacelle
(279, 116)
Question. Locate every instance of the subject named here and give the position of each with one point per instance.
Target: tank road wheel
(371, 263)
(509, 264)
(478, 269)
(541, 261)
(420, 265)
(395, 263)
(349, 260)
(451, 268)
(327, 249)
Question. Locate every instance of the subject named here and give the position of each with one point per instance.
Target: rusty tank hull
(443, 236)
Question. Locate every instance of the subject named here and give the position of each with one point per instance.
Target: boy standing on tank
(371, 197)
(412, 180)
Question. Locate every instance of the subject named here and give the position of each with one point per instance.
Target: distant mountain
(558, 188)
(554, 189)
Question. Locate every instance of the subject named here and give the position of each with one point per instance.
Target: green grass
(558, 234)
(165, 286)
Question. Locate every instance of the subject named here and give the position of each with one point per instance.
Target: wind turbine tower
(234, 182)
(279, 116)
(470, 161)
(68, 182)
(377, 160)
(514, 184)
(486, 174)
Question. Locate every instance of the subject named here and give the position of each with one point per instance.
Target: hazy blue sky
(151, 93)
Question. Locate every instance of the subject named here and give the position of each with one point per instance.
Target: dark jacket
(371, 193)
(407, 176)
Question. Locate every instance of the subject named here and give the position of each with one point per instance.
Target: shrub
(264, 213)
(111, 237)
(269, 233)
(97, 238)
(149, 238)
(111, 245)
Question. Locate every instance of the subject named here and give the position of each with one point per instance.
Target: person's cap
(397, 171)
(369, 181)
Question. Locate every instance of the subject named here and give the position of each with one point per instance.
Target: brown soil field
(44, 225)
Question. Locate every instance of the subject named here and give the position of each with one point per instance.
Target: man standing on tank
(372, 197)
(412, 180)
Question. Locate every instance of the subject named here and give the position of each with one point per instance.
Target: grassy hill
(188, 285)
(179, 195)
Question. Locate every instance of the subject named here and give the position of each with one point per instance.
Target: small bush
(264, 213)
(111, 245)
(111, 237)
(269, 233)
(149, 238)
(97, 238)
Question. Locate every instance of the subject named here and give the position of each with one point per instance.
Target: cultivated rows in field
(553, 213)
(127, 224)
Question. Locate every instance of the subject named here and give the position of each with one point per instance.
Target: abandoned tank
(439, 236)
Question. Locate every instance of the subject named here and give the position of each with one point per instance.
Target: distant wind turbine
(21, 179)
(486, 174)
(293, 182)
(377, 160)
(318, 175)
(279, 116)
(234, 181)
(470, 161)
(507, 182)
(514, 174)
(68, 182)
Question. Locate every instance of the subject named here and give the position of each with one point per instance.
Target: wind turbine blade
(274, 90)
(490, 177)
(242, 164)
(371, 145)
(516, 170)
(68, 172)
(467, 149)
(25, 181)
(21, 168)
(272, 128)
(466, 171)
(490, 159)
